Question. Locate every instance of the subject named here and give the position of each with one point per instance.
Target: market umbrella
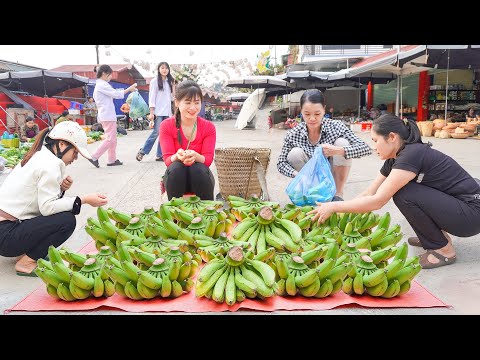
(238, 97)
(42, 82)
(272, 84)
(261, 81)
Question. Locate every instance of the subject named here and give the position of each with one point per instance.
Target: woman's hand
(133, 87)
(94, 199)
(150, 117)
(322, 212)
(190, 157)
(330, 150)
(180, 155)
(66, 183)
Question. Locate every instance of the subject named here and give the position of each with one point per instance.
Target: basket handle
(261, 178)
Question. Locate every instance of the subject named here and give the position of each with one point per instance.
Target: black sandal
(139, 156)
(117, 162)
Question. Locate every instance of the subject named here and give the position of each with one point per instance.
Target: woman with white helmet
(34, 213)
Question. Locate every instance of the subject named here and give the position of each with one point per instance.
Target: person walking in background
(339, 144)
(188, 146)
(34, 213)
(160, 102)
(90, 110)
(103, 94)
(434, 193)
(29, 130)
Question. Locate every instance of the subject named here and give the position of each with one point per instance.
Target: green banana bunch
(290, 212)
(240, 206)
(195, 205)
(157, 245)
(72, 257)
(135, 227)
(119, 217)
(207, 246)
(235, 277)
(146, 214)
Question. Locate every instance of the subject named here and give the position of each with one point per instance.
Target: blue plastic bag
(138, 106)
(313, 183)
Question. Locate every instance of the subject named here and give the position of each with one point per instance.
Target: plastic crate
(11, 143)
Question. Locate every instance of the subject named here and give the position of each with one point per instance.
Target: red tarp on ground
(39, 300)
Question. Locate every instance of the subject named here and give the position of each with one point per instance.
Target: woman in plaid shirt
(338, 142)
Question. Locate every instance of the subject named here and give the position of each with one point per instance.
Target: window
(340, 47)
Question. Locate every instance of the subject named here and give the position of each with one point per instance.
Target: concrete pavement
(134, 185)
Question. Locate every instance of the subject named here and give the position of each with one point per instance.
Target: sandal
(414, 241)
(117, 162)
(139, 156)
(423, 260)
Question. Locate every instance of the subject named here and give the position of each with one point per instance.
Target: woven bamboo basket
(236, 170)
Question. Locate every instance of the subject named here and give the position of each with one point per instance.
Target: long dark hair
(169, 77)
(313, 96)
(407, 129)
(189, 90)
(103, 69)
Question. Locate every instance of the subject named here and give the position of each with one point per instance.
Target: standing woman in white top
(103, 95)
(34, 213)
(160, 97)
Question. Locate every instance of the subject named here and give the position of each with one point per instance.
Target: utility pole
(98, 58)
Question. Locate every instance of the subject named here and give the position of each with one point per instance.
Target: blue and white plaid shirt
(331, 130)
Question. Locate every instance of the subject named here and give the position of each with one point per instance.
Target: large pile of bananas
(270, 250)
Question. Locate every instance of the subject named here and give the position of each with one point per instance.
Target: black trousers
(197, 179)
(429, 211)
(33, 236)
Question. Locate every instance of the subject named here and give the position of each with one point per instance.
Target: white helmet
(71, 132)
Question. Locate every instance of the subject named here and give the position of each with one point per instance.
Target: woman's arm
(283, 165)
(373, 187)
(167, 142)
(208, 145)
(152, 95)
(107, 89)
(357, 147)
(48, 191)
(394, 182)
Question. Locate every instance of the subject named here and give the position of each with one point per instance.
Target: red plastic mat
(39, 300)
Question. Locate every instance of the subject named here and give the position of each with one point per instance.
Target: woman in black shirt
(434, 193)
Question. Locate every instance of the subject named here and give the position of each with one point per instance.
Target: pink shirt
(204, 142)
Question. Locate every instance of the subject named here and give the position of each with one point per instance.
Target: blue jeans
(154, 136)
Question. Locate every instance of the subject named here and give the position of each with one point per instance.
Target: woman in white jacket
(34, 213)
(103, 94)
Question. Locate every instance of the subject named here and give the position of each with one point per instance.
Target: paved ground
(135, 185)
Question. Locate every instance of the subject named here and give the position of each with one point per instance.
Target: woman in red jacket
(188, 146)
